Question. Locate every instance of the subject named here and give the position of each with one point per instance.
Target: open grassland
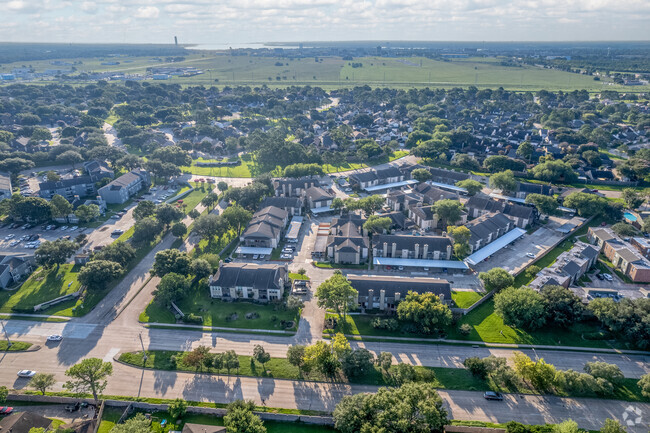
(333, 72)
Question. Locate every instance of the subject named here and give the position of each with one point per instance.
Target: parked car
(286, 256)
(227, 260)
(55, 337)
(600, 277)
(256, 256)
(26, 373)
(6, 410)
(531, 255)
(608, 277)
(491, 395)
(117, 232)
(10, 236)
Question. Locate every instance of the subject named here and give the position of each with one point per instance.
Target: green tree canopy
(425, 311)
(89, 375)
(95, 275)
(496, 279)
(522, 308)
(336, 293)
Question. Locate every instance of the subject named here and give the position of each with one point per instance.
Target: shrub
(193, 318)
(465, 329)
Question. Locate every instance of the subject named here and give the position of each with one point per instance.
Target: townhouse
(249, 281)
(347, 241)
(265, 228)
(384, 292)
(412, 247)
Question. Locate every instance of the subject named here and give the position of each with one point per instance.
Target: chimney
(394, 251)
(385, 249)
(448, 252)
(417, 251)
(425, 251)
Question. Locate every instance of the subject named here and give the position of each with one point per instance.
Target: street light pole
(144, 352)
(6, 335)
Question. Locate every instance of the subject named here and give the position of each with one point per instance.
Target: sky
(247, 21)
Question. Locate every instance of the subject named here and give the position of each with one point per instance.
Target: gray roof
(489, 205)
(447, 176)
(303, 182)
(482, 226)
(265, 276)
(266, 223)
(124, 180)
(5, 182)
(535, 188)
(370, 175)
(434, 193)
(202, 428)
(571, 268)
(64, 183)
(316, 193)
(408, 242)
(391, 285)
(282, 202)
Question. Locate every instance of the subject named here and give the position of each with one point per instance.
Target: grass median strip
(16, 346)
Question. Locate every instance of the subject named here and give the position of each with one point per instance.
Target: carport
(444, 265)
(254, 250)
(495, 246)
(390, 185)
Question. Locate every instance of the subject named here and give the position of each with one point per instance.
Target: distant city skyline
(248, 21)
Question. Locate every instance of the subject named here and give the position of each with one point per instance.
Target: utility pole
(6, 335)
(144, 352)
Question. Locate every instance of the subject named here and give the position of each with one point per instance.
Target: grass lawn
(214, 247)
(465, 298)
(194, 198)
(296, 276)
(32, 318)
(328, 168)
(16, 346)
(245, 169)
(216, 313)
(328, 265)
(110, 417)
(43, 285)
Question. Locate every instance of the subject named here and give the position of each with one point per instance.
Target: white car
(531, 255)
(26, 373)
(608, 277)
(74, 228)
(14, 243)
(256, 256)
(10, 236)
(54, 337)
(64, 228)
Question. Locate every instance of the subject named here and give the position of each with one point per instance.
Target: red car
(6, 410)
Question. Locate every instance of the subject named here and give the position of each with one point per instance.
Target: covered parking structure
(254, 250)
(441, 265)
(495, 246)
(390, 185)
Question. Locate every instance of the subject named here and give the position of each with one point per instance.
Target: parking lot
(527, 248)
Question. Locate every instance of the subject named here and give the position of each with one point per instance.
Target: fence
(58, 300)
(142, 406)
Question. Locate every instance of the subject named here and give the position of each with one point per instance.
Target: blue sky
(242, 21)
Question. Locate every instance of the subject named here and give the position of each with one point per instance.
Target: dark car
(491, 395)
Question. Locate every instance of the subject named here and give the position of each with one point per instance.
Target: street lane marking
(111, 353)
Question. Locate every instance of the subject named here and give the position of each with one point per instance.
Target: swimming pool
(630, 217)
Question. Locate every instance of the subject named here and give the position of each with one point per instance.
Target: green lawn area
(296, 276)
(328, 168)
(328, 265)
(194, 198)
(214, 247)
(465, 298)
(216, 313)
(32, 318)
(43, 285)
(16, 346)
(110, 417)
(245, 169)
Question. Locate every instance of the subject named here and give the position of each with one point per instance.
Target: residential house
(265, 228)
(318, 198)
(487, 228)
(433, 193)
(5, 186)
(427, 219)
(449, 177)
(293, 205)
(125, 186)
(623, 255)
(14, 267)
(98, 170)
(257, 282)
(293, 187)
(23, 422)
(412, 247)
(399, 221)
(347, 241)
(384, 292)
(372, 177)
(80, 186)
(642, 245)
(568, 268)
(523, 216)
(525, 188)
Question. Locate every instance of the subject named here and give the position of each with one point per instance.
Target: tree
(55, 252)
(555, 171)
(449, 211)
(610, 372)
(15, 165)
(208, 226)
(385, 360)
(358, 362)
(145, 231)
(230, 360)
(612, 426)
(525, 150)
(499, 163)
(320, 357)
(222, 186)
(21, 208)
(377, 224)
(371, 204)
(411, 408)
(236, 217)
(644, 384)
(472, 186)
(336, 293)
(496, 279)
(296, 355)
(70, 157)
(95, 275)
(504, 181)
(166, 214)
(196, 357)
(173, 155)
(294, 303)
(586, 204)
(138, 424)
(129, 162)
(200, 268)
(42, 382)
(465, 161)
(624, 229)
(260, 355)
(460, 234)
(209, 200)
(179, 229)
(568, 426)
(522, 308)
(421, 174)
(145, 208)
(540, 374)
(544, 204)
(4, 393)
(89, 375)
(338, 204)
(171, 260)
(240, 418)
(171, 288)
(563, 306)
(194, 214)
(425, 311)
(87, 213)
(626, 319)
(60, 206)
(119, 252)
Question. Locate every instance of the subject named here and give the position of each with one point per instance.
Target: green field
(216, 313)
(465, 298)
(43, 285)
(16, 346)
(333, 72)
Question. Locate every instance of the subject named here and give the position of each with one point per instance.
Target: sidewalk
(219, 328)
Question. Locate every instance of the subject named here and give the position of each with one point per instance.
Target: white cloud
(89, 7)
(147, 12)
(16, 5)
